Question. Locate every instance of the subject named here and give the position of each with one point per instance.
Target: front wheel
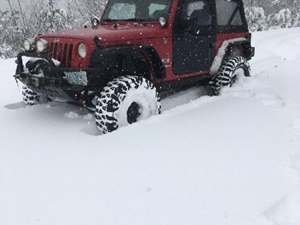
(231, 70)
(126, 100)
(31, 98)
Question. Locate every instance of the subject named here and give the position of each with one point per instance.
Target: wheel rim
(133, 113)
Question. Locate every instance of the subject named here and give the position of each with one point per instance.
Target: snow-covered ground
(229, 160)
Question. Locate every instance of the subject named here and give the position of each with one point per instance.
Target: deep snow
(226, 160)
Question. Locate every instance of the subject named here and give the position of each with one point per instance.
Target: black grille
(62, 52)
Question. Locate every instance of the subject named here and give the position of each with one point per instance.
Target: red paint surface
(132, 34)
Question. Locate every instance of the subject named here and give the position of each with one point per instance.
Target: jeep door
(193, 36)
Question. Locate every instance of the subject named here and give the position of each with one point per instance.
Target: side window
(193, 13)
(228, 13)
(194, 6)
(198, 13)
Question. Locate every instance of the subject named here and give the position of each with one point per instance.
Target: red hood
(110, 33)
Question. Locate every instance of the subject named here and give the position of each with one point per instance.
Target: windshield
(136, 10)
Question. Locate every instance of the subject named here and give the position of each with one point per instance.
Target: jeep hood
(111, 33)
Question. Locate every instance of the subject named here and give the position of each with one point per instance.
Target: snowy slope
(233, 159)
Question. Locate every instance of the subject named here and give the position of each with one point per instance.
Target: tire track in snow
(275, 66)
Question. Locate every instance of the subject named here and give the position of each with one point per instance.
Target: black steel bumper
(52, 76)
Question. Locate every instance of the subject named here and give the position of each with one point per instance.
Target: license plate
(77, 78)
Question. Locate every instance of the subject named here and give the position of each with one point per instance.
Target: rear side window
(230, 14)
(237, 20)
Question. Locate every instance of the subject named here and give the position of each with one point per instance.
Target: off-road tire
(227, 76)
(121, 99)
(30, 97)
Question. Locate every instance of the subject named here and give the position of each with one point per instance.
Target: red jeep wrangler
(139, 50)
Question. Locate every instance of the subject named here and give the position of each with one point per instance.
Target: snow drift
(226, 160)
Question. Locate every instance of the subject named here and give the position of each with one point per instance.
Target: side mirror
(162, 21)
(95, 21)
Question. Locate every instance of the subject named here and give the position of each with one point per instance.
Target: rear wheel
(231, 70)
(126, 100)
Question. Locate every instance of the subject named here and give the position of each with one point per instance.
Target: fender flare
(158, 66)
(149, 53)
(218, 60)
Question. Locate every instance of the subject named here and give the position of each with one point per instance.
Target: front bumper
(51, 75)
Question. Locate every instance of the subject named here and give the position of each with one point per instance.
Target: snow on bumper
(41, 72)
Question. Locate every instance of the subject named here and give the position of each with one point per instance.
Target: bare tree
(22, 13)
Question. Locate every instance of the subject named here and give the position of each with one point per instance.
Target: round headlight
(41, 45)
(82, 51)
(27, 45)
